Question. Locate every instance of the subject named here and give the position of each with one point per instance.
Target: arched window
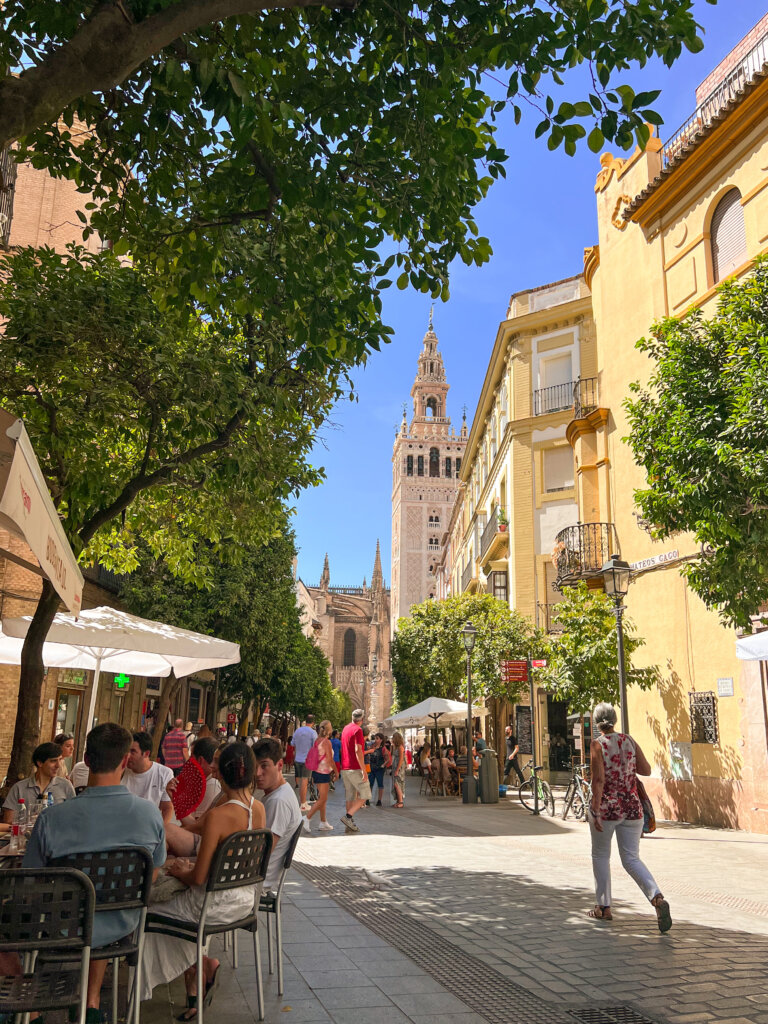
(409, 465)
(431, 407)
(420, 466)
(350, 643)
(458, 467)
(434, 462)
(727, 238)
(448, 466)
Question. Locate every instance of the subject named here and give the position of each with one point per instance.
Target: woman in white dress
(165, 958)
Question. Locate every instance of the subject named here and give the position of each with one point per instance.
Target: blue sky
(538, 219)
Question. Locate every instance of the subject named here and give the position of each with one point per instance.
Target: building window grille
(409, 465)
(703, 706)
(420, 466)
(728, 239)
(350, 645)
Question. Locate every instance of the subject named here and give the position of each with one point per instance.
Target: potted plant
(502, 520)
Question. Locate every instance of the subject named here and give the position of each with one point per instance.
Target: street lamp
(374, 680)
(616, 575)
(469, 786)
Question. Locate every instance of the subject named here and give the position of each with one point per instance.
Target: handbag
(649, 818)
(312, 762)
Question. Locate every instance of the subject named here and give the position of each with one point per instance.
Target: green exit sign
(122, 681)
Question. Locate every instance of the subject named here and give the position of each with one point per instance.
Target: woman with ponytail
(165, 958)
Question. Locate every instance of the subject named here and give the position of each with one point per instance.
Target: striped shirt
(174, 748)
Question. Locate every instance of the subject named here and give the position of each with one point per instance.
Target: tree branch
(107, 49)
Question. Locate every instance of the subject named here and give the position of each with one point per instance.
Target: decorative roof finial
(464, 413)
(431, 315)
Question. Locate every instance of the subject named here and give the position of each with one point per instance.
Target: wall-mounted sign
(122, 680)
(231, 718)
(681, 760)
(725, 687)
(654, 560)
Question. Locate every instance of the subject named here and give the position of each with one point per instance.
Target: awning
(26, 510)
(753, 648)
(434, 711)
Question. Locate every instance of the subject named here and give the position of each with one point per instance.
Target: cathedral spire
(325, 579)
(377, 580)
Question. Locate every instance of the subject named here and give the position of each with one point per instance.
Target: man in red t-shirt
(356, 785)
(175, 748)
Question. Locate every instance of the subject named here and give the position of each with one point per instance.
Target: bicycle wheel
(547, 799)
(579, 809)
(569, 800)
(525, 792)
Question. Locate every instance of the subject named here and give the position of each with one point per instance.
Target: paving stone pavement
(465, 915)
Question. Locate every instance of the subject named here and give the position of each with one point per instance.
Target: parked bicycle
(527, 793)
(579, 793)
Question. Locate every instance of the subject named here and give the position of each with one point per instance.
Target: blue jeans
(377, 776)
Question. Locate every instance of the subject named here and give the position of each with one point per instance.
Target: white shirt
(212, 791)
(303, 741)
(149, 784)
(79, 774)
(283, 818)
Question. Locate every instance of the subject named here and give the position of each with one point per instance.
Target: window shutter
(727, 236)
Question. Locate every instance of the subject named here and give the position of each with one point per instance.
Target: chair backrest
(288, 858)
(241, 859)
(121, 877)
(45, 909)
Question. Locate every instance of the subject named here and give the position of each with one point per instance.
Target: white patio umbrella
(427, 713)
(753, 648)
(118, 642)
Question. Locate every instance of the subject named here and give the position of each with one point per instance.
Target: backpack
(313, 757)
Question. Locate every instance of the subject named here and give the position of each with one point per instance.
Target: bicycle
(578, 795)
(527, 793)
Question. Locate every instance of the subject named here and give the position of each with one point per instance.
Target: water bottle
(19, 828)
(50, 800)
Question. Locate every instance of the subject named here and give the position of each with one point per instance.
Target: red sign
(231, 717)
(540, 663)
(514, 671)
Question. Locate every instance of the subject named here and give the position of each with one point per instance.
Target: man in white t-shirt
(283, 814)
(303, 740)
(146, 778)
(184, 838)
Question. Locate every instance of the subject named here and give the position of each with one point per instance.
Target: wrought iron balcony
(494, 535)
(581, 551)
(554, 399)
(7, 187)
(585, 398)
(545, 618)
(468, 576)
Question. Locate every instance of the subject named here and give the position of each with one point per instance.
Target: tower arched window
(448, 466)
(409, 465)
(350, 648)
(458, 467)
(727, 237)
(420, 466)
(434, 462)
(432, 407)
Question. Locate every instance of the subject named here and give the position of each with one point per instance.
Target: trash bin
(489, 777)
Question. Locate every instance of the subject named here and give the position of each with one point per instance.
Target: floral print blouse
(620, 799)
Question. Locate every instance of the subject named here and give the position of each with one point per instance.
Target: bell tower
(426, 461)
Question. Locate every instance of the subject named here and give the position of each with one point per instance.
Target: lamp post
(616, 575)
(469, 786)
(374, 679)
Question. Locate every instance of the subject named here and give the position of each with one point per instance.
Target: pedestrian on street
(398, 769)
(175, 748)
(356, 786)
(512, 764)
(303, 741)
(379, 760)
(322, 775)
(336, 744)
(615, 762)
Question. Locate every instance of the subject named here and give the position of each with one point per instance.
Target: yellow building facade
(674, 222)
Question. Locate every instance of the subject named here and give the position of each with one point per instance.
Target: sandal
(663, 915)
(207, 998)
(191, 1005)
(601, 913)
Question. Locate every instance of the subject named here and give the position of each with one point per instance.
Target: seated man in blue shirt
(103, 817)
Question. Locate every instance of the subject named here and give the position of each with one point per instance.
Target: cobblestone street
(459, 915)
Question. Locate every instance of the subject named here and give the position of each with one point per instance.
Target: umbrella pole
(94, 691)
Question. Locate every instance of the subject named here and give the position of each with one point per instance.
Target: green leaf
(595, 140)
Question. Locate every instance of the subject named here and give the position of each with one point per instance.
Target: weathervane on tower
(431, 315)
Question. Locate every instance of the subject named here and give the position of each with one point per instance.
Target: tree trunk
(243, 718)
(170, 689)
(26, 735)
(212, 705)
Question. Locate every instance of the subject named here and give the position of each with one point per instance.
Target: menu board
(523, 713)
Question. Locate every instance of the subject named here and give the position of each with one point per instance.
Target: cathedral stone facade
(351, 625)
(426, 462)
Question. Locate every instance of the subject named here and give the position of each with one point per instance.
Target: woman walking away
(616, 808)
(379, 760)
(320, 759)
(398, 769)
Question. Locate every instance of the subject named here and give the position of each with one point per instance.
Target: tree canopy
(699, 429)
(582, 663)
(428, 656)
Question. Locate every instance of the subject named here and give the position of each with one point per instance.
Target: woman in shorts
(322, 776)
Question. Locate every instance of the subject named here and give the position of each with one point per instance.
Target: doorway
(67, 718)
(559, 738)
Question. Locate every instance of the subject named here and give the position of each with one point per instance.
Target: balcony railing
(715, 103)
(467, 576)
(554, 399)
(104, 578)
(7, 188)
(491, 531)
(584, 397)
(581, 551)
(545, 618)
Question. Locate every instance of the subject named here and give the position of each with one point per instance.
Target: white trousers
(628, 833)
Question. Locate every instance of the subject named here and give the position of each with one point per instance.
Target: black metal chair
(271, 903)
(122, 879)
(46, 910)
(240, 860)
